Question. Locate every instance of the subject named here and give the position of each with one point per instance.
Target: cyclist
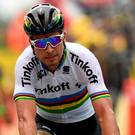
(59, 85)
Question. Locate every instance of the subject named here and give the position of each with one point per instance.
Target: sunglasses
(42, 43)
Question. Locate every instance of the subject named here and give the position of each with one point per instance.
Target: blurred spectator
(115, 63)
(132, 68)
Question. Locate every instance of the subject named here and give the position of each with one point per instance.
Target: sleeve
(24, 80)
(95, 82)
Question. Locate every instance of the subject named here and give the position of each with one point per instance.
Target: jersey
(66, 95)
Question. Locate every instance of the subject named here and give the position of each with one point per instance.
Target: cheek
(39, 53)
(60, 50)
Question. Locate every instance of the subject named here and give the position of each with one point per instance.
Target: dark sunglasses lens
(55, 41)
(41, 43)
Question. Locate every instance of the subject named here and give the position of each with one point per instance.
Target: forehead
(34, 37)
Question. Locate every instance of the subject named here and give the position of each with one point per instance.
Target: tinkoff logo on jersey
(51, 89)
(26, 79)
(85, 67)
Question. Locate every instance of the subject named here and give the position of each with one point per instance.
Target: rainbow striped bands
(98, 95)
(63, 104)
(24, 96)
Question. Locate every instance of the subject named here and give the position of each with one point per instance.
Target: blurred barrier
(18, 41)
(122, 113)
(129, 91)
(9, 127)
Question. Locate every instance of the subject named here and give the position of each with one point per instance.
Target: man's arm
(106, 117)
(26, 111)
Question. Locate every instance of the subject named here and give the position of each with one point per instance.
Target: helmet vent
(46, 4)
(33, 20)
(35, 6)
(42, 18)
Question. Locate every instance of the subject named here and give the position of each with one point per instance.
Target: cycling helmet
(43, 19)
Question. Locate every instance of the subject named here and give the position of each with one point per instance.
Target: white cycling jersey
(66, 95)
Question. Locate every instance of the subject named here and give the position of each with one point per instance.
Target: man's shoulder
(78, 49)
(26, 54)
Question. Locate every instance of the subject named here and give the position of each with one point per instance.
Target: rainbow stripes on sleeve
(24, 96)
(101, 94)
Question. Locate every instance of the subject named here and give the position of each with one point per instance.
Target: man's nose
(49, 48)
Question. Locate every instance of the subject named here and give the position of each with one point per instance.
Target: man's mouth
(51, 57)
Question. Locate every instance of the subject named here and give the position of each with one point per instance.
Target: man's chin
(52, 64)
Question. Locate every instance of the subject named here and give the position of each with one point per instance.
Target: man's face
(50, 56)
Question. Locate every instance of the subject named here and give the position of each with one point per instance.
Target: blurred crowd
(106, 27)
